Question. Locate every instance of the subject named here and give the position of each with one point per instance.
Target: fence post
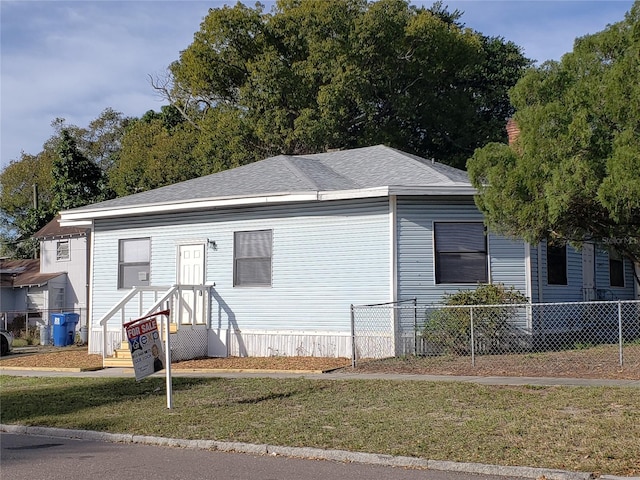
(473, 348)
(620, 339)
(353, 338)
(415, 326)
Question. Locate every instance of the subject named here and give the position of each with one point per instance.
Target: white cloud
(73, 59)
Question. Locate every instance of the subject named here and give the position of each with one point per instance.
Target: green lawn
(573, 428)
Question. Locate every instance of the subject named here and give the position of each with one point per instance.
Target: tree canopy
(306, 77)
(77, 180)
(70, 171)
(573, 173)
(314, 75)
(20, 217)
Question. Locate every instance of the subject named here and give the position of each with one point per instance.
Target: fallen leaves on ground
(78, 357)
(51, 357)
(265, 363)
(596, 362)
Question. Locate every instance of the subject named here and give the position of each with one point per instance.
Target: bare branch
(163, 87)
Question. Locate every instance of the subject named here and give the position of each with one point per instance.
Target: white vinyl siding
(75, 286)
(325, 256)
(416, 257)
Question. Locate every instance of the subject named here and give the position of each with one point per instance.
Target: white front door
(191, 272)
(588, 272)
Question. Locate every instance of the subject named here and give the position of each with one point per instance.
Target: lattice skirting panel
(188, 343)
(289, 343)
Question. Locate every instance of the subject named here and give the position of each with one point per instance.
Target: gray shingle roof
(53, 229)
(369, 167)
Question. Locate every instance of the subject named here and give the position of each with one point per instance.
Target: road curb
(307, 452)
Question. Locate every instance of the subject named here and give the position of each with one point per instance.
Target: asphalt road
(48, 458)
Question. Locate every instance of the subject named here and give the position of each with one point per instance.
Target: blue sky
(73, 59)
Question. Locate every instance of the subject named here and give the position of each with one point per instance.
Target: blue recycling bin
(64, 328)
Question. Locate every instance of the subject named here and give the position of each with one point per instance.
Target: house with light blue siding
(266, 259)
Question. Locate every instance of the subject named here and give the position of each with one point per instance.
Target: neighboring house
(604, 275)
(24, 290)
(65, 249)
(56, 282)
(267, 258)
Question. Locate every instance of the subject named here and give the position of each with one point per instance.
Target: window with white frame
(62, 251)
(252, 258)
(134, 267)
(460, 252)
(616, 269)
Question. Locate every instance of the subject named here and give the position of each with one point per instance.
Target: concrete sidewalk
(335, 455)
(336, 375)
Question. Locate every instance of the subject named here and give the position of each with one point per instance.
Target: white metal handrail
(121, 307)
(171, 298)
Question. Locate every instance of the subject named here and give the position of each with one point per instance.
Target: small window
(461, 253)
(62, 250)
(134, 262)
(252, 258)
(616, 270)
(58, 294)
(557, 264)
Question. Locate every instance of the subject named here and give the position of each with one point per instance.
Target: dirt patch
(600, 362)
(597, 362)
(51, 357)
(265, 363)
(78, 358)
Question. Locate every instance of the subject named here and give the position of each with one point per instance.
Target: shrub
(449, 329)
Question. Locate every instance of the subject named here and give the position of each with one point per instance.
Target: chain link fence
(406, 328)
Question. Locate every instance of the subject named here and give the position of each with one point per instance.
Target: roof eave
(85, 216)
(76, 217)
(459, 189)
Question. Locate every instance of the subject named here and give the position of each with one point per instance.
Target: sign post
(147, 351)
(167, 362)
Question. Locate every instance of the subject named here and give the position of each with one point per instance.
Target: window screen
(62, 250)
(134, 262)
(461, 253)
(252, 258)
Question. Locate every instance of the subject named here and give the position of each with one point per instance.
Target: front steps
(122, 356)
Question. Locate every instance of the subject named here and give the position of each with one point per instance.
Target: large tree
(98, 144)
(77, 180)
(312, 75)
(573, 173)
(25, 200)
(157, 150)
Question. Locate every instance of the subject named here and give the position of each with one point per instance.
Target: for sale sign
(145, 346)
